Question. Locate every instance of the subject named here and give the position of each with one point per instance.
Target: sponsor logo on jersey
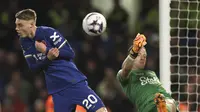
(149, 80)
(55, 38)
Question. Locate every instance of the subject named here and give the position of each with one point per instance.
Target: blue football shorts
(79, 94)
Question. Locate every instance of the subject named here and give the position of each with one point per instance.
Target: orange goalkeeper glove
(138, 42)
(160, 102)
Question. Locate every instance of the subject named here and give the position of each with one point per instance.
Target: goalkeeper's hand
(138, 42)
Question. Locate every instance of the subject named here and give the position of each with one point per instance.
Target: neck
(32, 34)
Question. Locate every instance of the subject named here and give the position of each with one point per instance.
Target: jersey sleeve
(123, 81)
(58, 41)
(34, 65)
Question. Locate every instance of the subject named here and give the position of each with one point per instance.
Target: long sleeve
(66, 51)
(39, 66)
(35, 60)
(65, 54)
(58, 41)
(55, 39)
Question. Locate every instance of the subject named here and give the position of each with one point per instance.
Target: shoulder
(45, 28)
(123, 81)
(119, 73)
(45, 31)
(119, 76)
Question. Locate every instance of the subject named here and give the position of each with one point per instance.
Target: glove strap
(133, 54)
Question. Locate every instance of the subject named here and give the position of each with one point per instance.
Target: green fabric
(141, 87)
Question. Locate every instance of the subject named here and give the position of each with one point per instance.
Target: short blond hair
(26, 14)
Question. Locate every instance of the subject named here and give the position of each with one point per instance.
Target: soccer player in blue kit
(45, 49)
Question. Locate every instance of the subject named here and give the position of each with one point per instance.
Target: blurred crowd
(99, 58)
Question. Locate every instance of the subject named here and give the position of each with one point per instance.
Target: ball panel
(94, 24)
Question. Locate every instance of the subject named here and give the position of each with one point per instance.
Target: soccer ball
(94, 24)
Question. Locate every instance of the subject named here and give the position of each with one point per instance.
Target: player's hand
(40, 46)
(53, 53)
(160, 102)
(138, 42)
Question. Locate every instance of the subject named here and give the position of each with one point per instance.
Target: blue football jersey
(60, 73)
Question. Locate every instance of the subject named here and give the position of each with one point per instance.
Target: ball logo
(97, 26)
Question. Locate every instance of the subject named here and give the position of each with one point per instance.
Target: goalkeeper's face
(24, 27)
(140, 60)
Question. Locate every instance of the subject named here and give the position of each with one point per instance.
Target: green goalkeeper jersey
(141, 87)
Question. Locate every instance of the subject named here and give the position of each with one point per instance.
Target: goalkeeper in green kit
(143, 87)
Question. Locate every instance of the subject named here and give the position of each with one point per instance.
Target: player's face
(140, 60)
(23, 27)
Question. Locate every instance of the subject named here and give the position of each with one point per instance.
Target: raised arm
(134, 52)
(126, 66)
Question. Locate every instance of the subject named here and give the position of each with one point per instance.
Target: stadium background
(98, 58)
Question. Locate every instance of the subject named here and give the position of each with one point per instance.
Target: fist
(138, 42)
(53, 53)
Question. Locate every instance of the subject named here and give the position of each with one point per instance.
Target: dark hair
(26, 14)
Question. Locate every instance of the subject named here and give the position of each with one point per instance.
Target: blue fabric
(60, 73)
(81, 94)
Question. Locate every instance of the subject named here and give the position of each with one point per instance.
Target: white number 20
(91, 99)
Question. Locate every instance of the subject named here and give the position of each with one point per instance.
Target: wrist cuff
(133, 54)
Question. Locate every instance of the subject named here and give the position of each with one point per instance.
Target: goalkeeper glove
(160, 102)
(138, 42)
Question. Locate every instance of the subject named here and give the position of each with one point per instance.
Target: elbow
(125, 72)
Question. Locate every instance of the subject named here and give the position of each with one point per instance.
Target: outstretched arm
(126, 66)
(128, 63)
